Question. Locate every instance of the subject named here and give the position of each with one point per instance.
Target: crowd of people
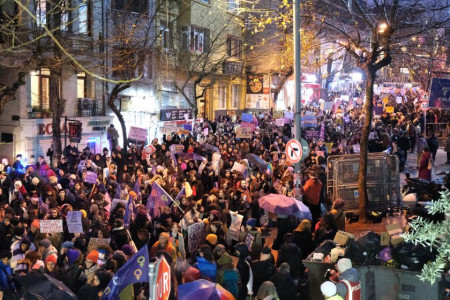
(213, 189)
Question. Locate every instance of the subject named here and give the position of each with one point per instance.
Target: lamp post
(297, 80)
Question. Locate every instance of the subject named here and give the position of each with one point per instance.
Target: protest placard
(309, 121)
(247, 117)
(196, 236)
(249, 241)
(289, 115)
(91, 177)
(116, 201)
(95, 243)
(137, 134)
(235, 227)
(51, 226)
(238, 167)
(73, 220)
(389, 109)
(279, 122)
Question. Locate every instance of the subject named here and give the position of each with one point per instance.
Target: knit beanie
(212, 238)
(83, 213)
(51, 258)
(251, 222)
(344, 264)
(35, 223)
(225, 259)
(67, 244)
(165, 235)
(34, 198)
(35, 181)
(328, 289)
(72, 255)
(128, 250)
(93, 256)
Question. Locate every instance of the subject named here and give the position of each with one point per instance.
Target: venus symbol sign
(294, 151)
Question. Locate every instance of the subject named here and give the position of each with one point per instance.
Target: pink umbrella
(280, 204)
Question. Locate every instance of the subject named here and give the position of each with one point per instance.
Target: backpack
(231, 282)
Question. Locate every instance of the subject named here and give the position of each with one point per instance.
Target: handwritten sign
(137, 134)
(51, 226)
(196, 236)
(73, 220)
(91, 177)
(238, 167)
(95, 243)
(389, 109)
(309, 121)
(235, 227)
(249, 239)
(279, 122)
(247, 117)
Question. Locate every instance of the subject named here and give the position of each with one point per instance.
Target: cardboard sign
(196, 236)
(150, 149)
(51, 226)
(244, 132)
(328, 106)
(91, 177)
(399, 100)
(279, 122)
(238, 167)
(74, 224)
(137, 134)
(289, 115)
(235, 227)
(312, 134)
(389, 109)
(95, 243)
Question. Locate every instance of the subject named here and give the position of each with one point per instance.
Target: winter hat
(45, 242)
(73, 176)
(18, 183)
(83, 213)
(34, 198)
(133, 194)
(336, 253)
(35, 223)
(344, 264)
(191, 274)
(128, 250)
(338, 204)
(67, 245)
(328, 289)
(212, 238)
(53, 180)
(72, 255)
(225, 259)
(93, 256)
(35, 181)
(216, 213)
(251, 222)
(165, 235)
(51, 258)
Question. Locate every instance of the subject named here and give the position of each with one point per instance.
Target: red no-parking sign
(294, 151)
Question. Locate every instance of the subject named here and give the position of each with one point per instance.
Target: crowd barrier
(379, 283)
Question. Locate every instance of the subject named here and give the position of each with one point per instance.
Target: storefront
(33, 137)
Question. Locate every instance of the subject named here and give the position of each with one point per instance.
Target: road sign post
(160, 280)
(294, 151)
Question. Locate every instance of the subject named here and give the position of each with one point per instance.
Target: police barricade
(378, 283)
(383, 181)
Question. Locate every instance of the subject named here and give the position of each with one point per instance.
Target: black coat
(286, 287)
(262, 271)
(290, 253)
(71, 276)
(304, 240)
(120, 237)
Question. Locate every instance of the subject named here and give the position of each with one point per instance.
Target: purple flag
(137, 190)
(130, 212)
(157, 198)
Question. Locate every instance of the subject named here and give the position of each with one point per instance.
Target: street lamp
(382, 27)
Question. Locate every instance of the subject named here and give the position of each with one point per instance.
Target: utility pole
(298, 87)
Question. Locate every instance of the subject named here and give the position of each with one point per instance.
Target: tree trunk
(364, 145)
(118, 88)
(57, 107)
(281, 84)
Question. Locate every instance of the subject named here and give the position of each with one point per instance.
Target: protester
(348, 280)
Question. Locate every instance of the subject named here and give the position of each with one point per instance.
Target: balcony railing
(89, 107)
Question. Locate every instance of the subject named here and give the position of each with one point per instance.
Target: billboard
(440, 93)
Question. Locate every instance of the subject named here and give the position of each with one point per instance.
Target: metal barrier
(383, 184)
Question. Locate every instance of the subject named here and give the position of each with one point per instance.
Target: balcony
(89, 107)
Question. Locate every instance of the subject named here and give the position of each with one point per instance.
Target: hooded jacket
(351, 275)
(207, 269)
(18, 254)
(243, 267)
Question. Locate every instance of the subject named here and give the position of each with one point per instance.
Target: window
(124, 63)
(136, 6)
(234, 47)
(233, 4)
(40, 88)
(41, 13)
(81, 85)
(195, 39)
(222, 91)
(165, 31)
(85, 18)
(235, 90)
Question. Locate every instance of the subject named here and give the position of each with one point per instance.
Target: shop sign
(175, 114)
(232, 68)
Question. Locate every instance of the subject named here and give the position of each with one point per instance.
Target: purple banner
(440, 93)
